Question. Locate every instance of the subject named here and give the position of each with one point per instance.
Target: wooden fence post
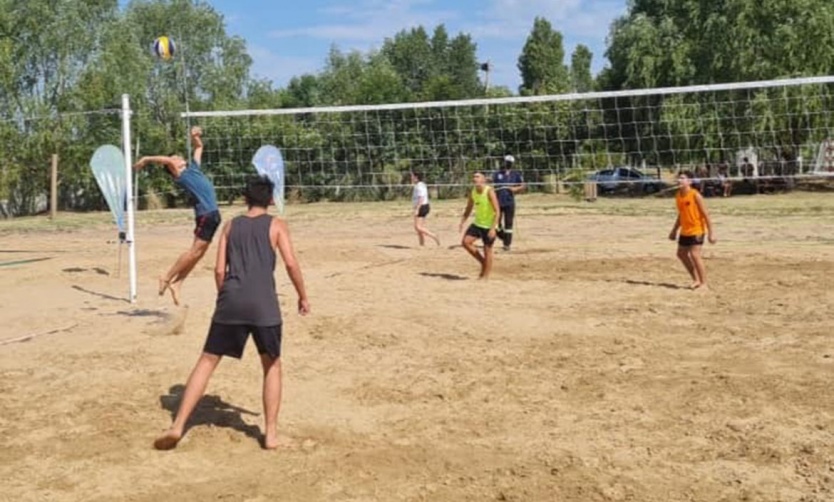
(53, 188)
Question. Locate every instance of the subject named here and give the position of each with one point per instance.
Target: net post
(53, 188)
(131, 244)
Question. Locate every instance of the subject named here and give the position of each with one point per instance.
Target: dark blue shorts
(230, 339)
(206, 226)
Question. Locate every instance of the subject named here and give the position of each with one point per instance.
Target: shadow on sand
(448, 277)
(654, 284)
(100, 295)
(211, 410)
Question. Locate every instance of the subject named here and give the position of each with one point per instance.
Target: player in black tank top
(247, 295)
(247, 303)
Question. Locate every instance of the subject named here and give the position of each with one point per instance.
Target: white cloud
(266, 63)
(499, 27)
(502, 26)
(371, 21)
(575, 19)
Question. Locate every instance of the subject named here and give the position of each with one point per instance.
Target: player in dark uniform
(507, 183)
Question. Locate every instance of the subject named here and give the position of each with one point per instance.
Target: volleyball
(164, 48)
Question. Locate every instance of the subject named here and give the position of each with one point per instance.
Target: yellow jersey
(484, 212)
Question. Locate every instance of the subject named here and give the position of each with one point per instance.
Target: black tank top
(248, 294)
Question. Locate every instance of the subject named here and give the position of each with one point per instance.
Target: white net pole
(130, 237)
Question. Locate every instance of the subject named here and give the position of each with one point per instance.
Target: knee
(199, 250)
(209, 360)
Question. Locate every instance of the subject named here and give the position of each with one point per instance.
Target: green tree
(436, 68)
(45, 47)
(665, 42)
(463, 66)
(62, 57)
(301, 92)
(412, 56)
(541, 63)
(261, 95)
(356, 78)
(440, 48)
(580, 69)
(661, 43)
(211, 68)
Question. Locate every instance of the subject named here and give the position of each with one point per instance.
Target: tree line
(64, 65)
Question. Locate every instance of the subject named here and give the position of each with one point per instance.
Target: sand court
(584, 370)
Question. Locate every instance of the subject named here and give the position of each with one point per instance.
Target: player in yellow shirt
(694, 222)
(487, 215)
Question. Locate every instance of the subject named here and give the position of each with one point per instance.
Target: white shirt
(420, 192)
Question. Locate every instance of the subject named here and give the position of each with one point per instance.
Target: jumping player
(487, 214)
(247, 303)
(190, 178)
(693, 221)
(420, 204)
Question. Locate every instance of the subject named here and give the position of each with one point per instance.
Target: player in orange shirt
(693, 222)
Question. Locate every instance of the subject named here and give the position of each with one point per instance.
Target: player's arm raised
(699, 200)
(281, 238)
(220, 264)
(163, 160)
(197, 143)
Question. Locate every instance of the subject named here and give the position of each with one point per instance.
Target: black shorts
(686, 241)
(207, 225)
(423, 211)
(480, 233)
(230, 339)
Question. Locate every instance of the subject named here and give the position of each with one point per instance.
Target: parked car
(625, 179)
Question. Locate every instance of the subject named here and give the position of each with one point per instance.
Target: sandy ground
(582, 372)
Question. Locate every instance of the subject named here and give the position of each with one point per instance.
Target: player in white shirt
(420, 205)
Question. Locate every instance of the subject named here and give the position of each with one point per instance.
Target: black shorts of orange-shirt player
(687, 241)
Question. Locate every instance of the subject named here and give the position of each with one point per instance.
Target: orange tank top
(691, 219)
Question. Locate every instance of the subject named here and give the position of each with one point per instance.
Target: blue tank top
(195, 182)
(248, 295)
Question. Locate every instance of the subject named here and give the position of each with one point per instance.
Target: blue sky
(286, 41)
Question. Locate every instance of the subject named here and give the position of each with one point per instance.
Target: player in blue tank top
(190, 178)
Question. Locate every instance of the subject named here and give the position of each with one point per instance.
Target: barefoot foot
(164, 284)
(174, 287)
(167, 441)
(271, 441)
